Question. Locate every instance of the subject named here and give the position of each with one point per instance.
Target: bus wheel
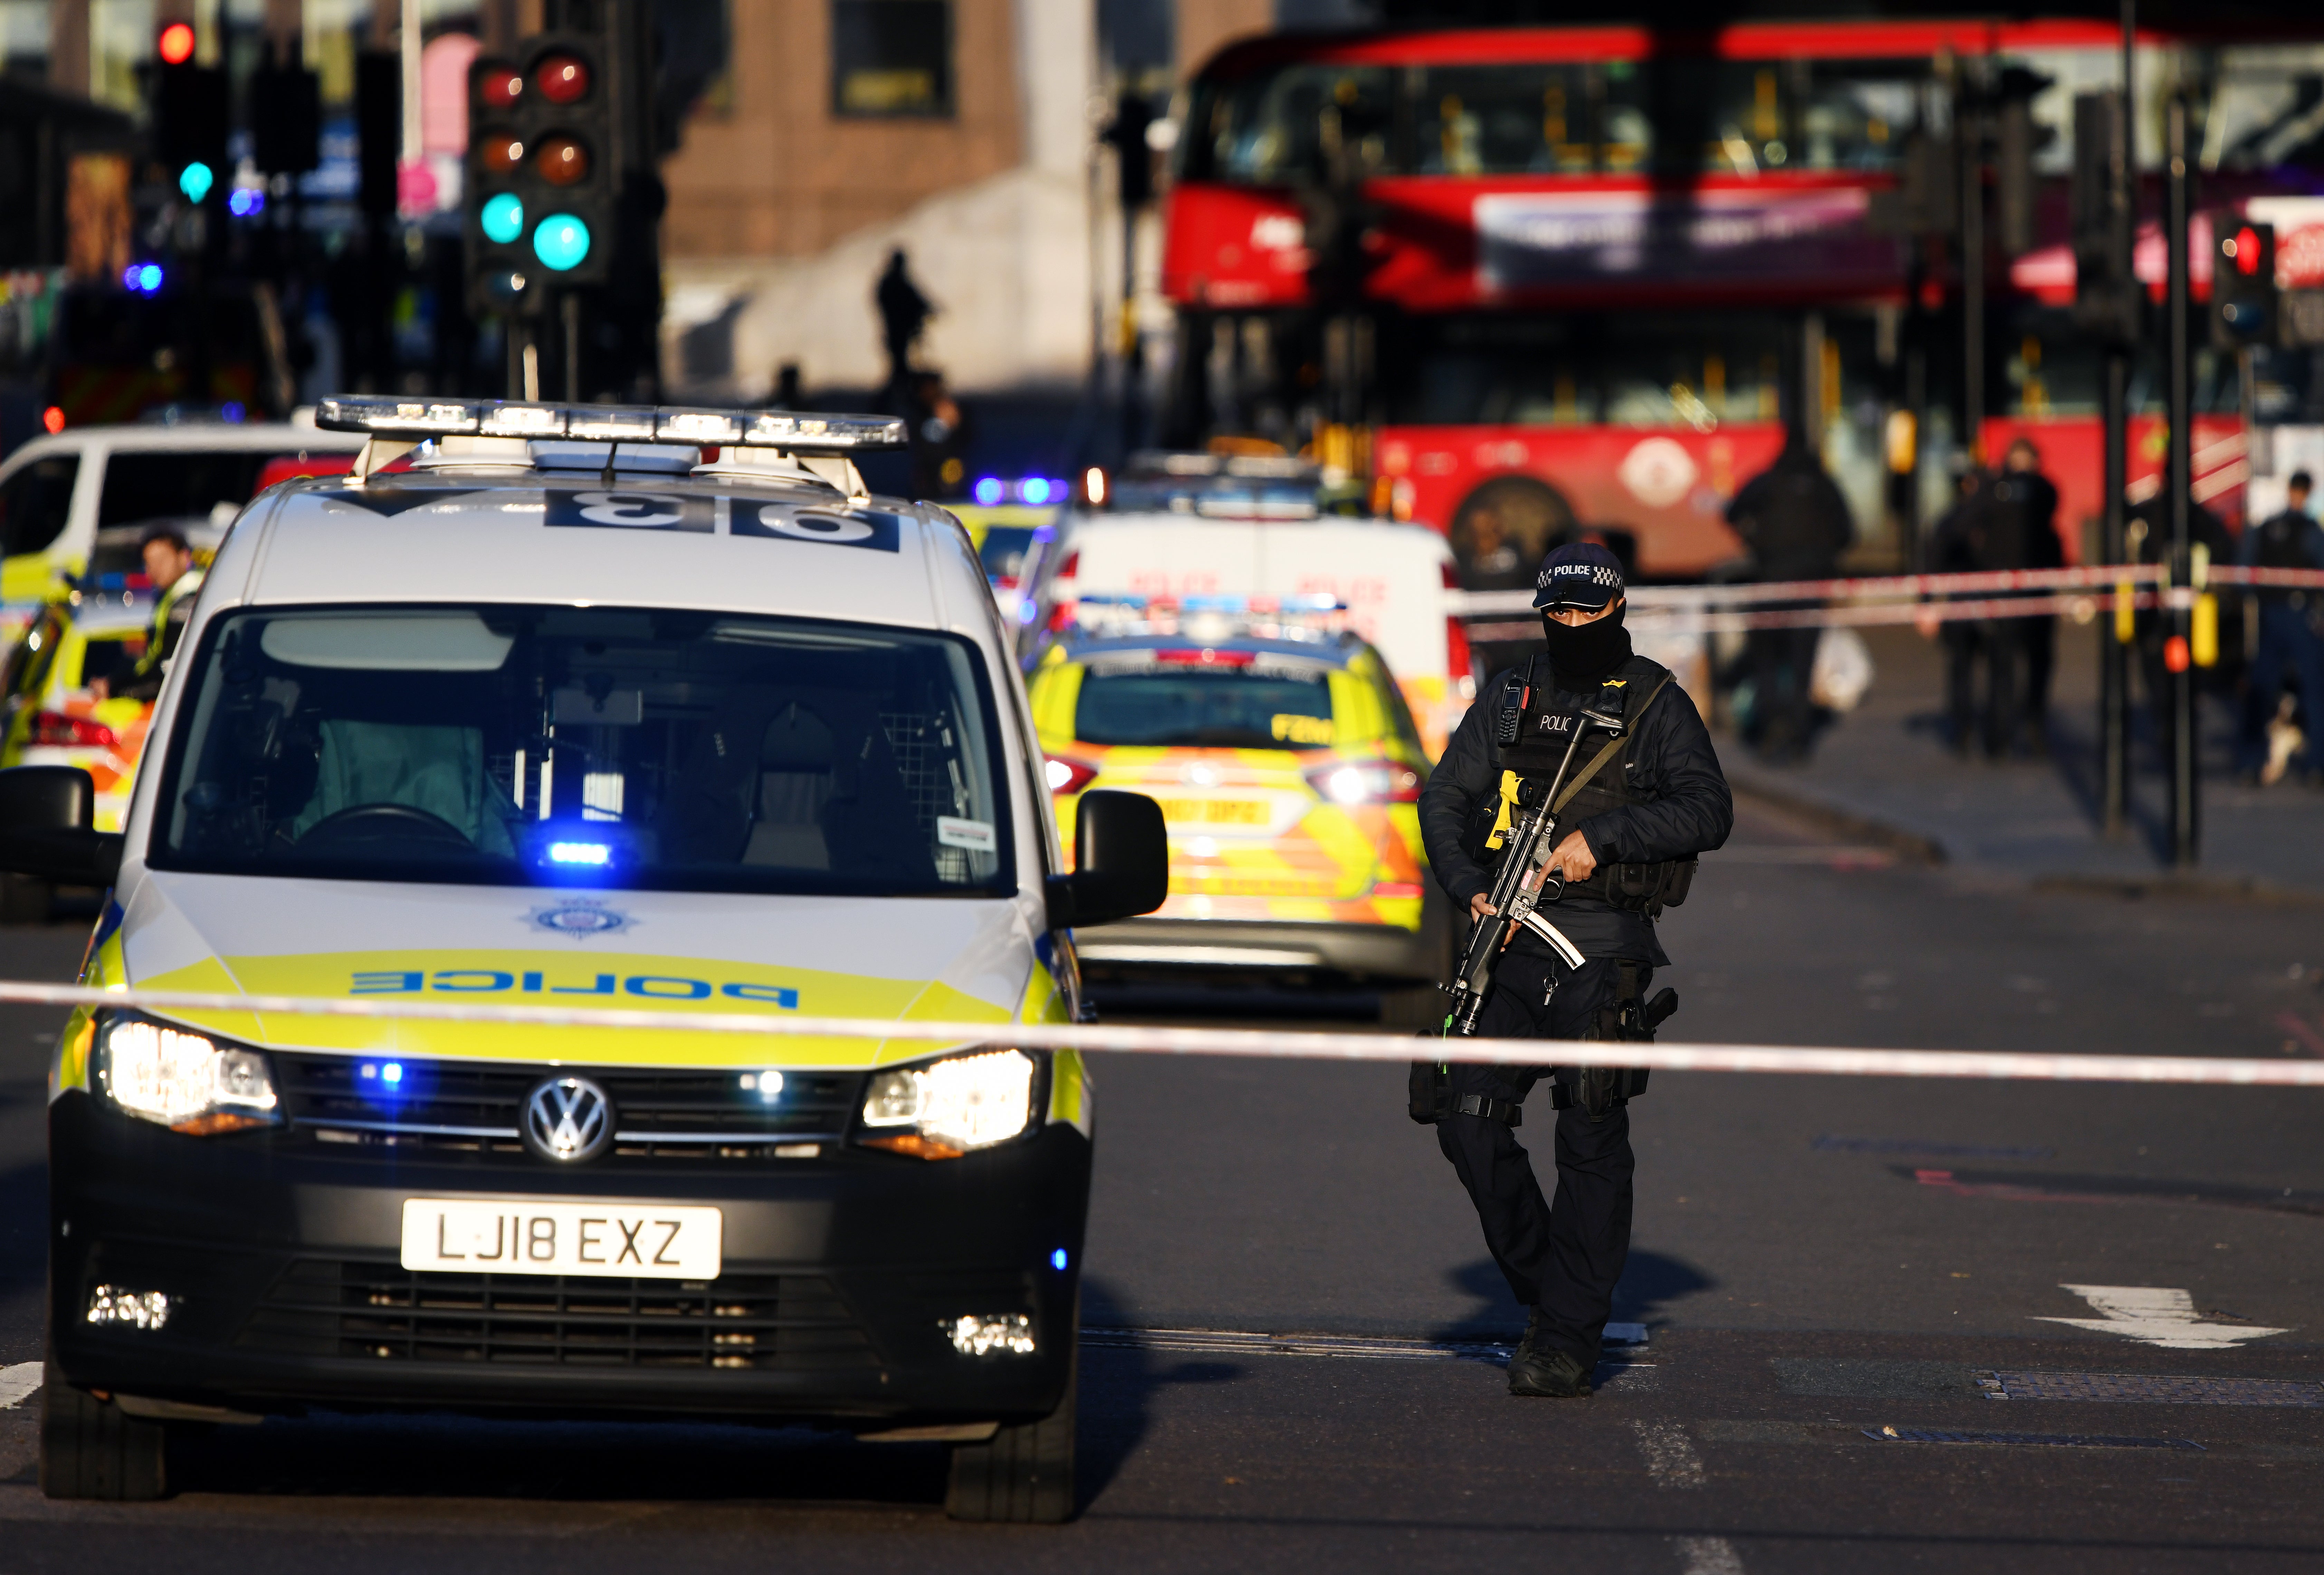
(92, 1449)
(1023, 1475)
(1501, 530)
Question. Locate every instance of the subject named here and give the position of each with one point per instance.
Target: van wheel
(24, 900)
(1020, 1475)
(90, 1448)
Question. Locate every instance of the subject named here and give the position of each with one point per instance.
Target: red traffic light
(562, 78)
(2247, 250)
(562, 160)
(500, 151)
(176, 44)
(499, 86)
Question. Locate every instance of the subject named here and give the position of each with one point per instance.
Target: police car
(591, 707)
(1288, 769)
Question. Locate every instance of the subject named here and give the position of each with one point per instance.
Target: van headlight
(943, 1109)
(184, 1081)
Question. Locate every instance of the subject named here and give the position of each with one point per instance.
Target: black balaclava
(1586, 656)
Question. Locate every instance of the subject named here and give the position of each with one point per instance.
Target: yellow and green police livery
(1288, 769)
(568, 717)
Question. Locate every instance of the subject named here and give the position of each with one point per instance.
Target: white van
(566, 722)
(76, 502)
(1392, 578)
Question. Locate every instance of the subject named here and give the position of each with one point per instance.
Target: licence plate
(1216, 812)
(544, 1236)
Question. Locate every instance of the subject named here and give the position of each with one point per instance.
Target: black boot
(1537, 1369)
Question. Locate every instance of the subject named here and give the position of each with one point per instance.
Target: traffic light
(2106, 298)
(2242, 283)
(286, 119)
(190, 117)
(542, 172)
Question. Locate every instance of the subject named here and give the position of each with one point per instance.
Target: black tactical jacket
(1671, 764)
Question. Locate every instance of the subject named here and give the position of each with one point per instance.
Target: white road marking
(1709, 1556)
(1671, 1459)
(19, 1384)
(2160, 1315)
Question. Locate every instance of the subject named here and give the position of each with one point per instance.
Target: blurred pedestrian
(2004, 522)
(904, 311)
(1968, 646)
(2032, 493)
(2290, 633)
(1796, 524)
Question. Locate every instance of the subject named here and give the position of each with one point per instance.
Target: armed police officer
(1641, 795)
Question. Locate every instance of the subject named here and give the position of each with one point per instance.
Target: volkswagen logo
(568, 1119)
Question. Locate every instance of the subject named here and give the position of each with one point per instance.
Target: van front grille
(474, 1107)
(793, 1324)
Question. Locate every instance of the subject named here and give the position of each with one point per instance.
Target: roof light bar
(387, 417)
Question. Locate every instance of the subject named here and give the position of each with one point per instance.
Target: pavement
(1834, 1276)
(1882, 772)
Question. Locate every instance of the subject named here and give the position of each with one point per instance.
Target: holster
(1625, 1020)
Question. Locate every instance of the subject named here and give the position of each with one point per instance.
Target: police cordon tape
(1259, 1044)
(1686, 622)
(1985, 582)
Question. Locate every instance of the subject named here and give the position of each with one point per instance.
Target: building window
(891, 57)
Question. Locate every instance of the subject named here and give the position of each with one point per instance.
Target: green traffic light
(502, 218)
(561, 242)
(196, 181)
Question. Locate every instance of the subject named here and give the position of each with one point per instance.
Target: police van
(652, 709)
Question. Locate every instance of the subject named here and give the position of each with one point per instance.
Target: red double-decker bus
(1600, 266)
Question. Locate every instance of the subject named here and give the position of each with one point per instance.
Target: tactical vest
(1546, 720)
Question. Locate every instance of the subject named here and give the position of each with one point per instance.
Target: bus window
(1530, 119)
(1810, 114)
(1265, 129)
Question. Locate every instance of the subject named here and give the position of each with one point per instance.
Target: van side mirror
(1122, 861)
(47, 817)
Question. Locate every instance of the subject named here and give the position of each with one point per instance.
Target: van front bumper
(842, 1279)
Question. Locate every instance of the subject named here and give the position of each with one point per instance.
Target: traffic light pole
(1968, 129)
(2178, 658)
(2113, 653)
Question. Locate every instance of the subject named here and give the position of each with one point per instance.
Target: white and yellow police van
(650, 709)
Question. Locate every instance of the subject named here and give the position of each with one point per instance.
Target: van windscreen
(510, 745)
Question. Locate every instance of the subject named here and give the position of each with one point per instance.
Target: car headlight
(946, 1108)
(184, 1081)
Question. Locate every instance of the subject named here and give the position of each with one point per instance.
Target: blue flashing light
(561, 242)
(233, 411)
(1058, 1260)
(196, 181)
(502, 218)
(245, 201)
(988, 489)
(1026, 612)
(1034, 490)
(392, 1072)
(597, 853)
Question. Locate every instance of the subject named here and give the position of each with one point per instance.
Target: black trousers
(1999, 644)
(1565, 1258)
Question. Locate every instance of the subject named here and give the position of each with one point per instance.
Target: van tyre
(1023, 1475)
(91, 1449)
